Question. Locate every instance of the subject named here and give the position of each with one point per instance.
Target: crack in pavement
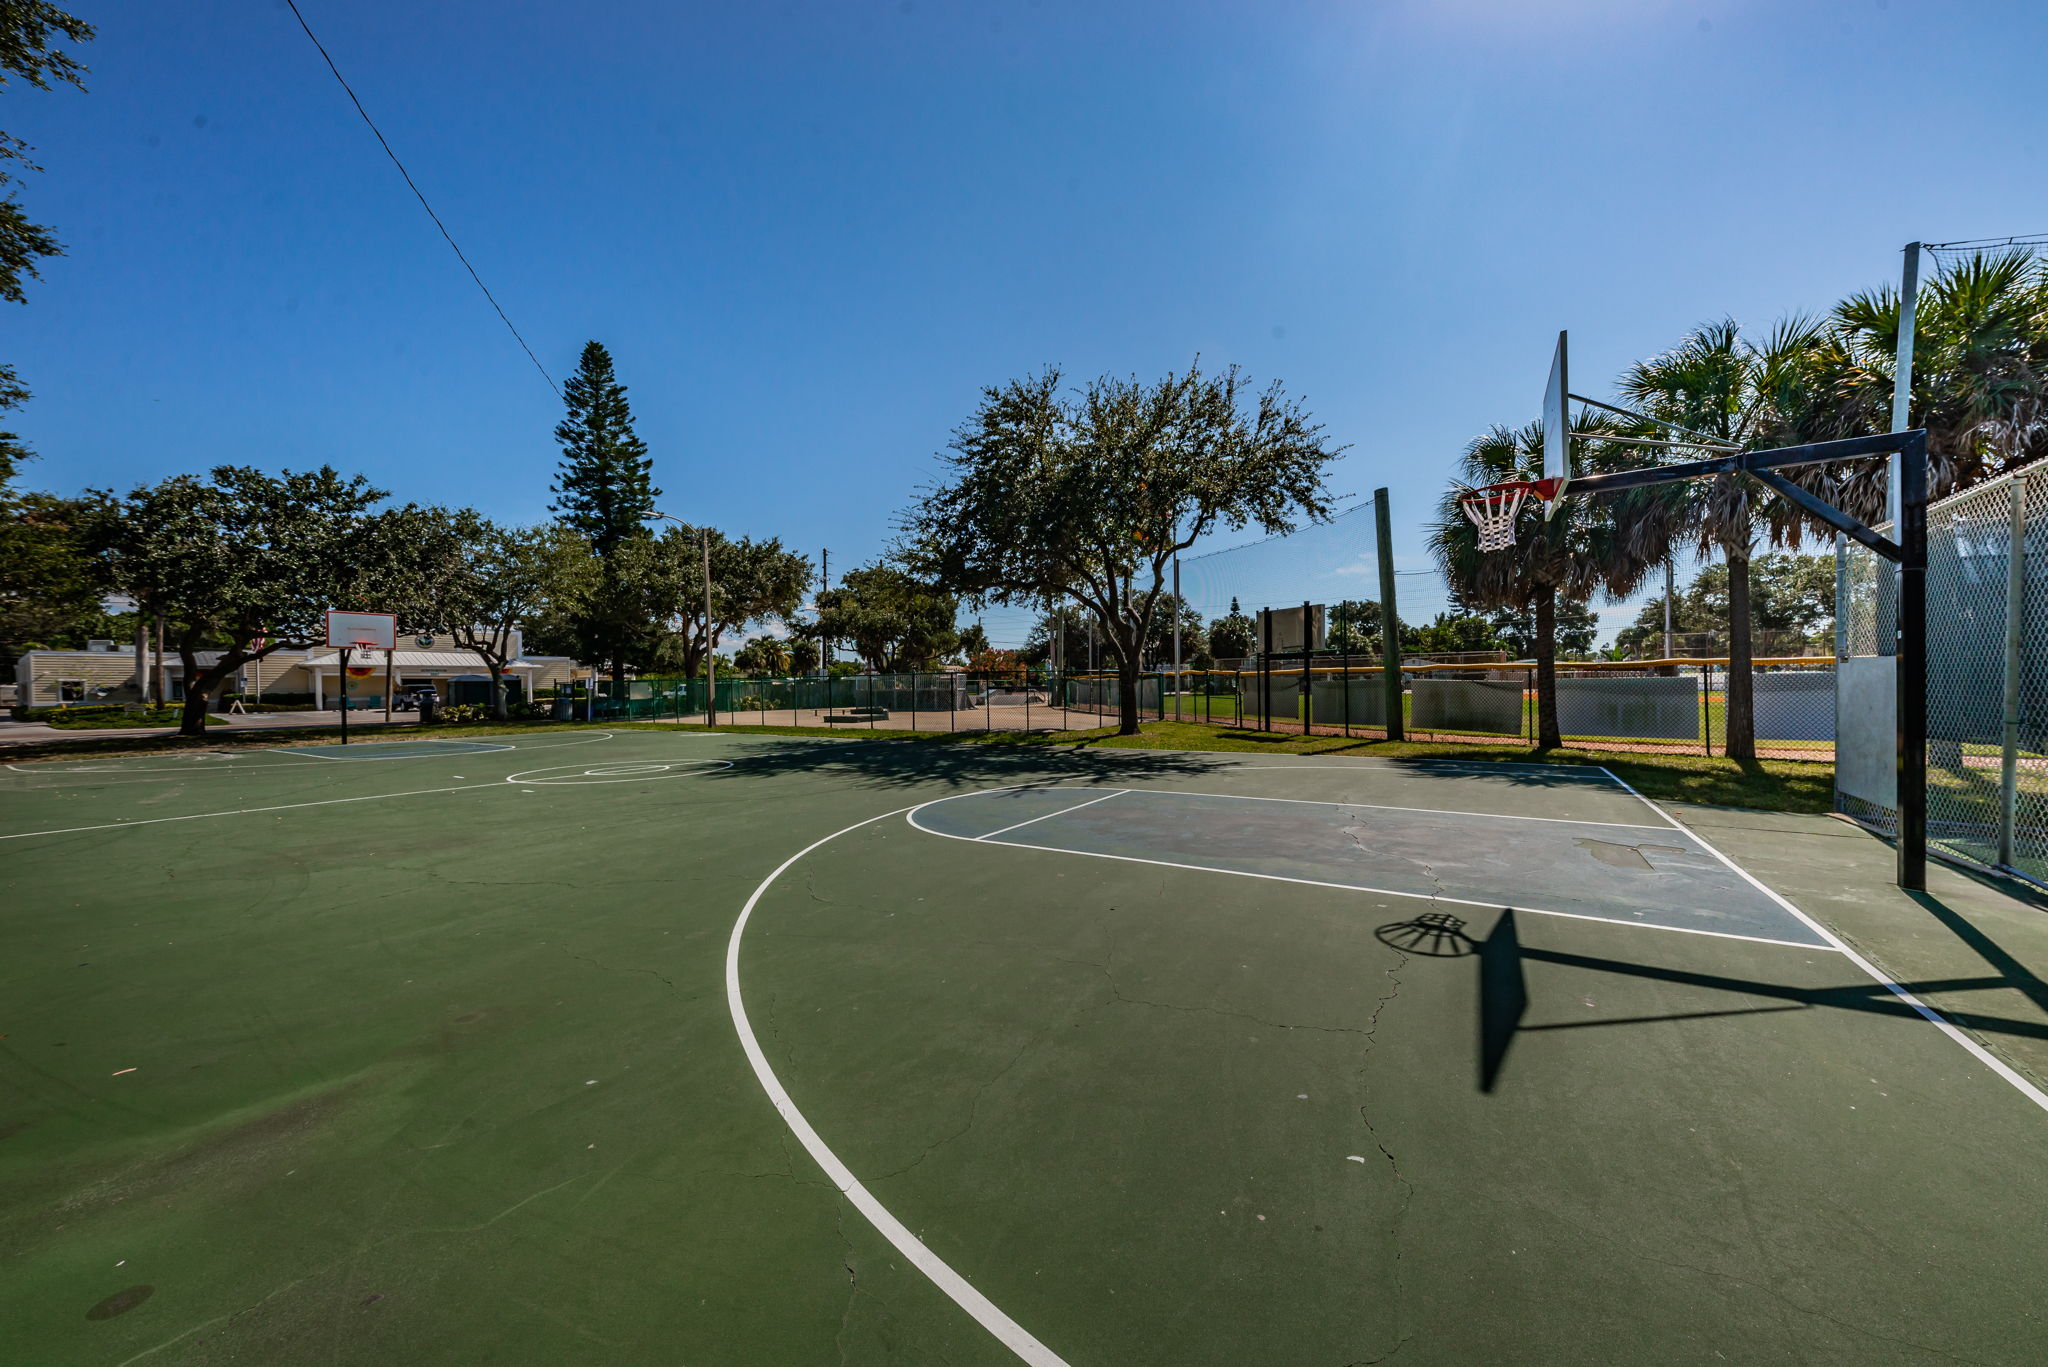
(1117, 996)
(973, 1111)
(607, 968)
(1402, 1337)
(852, 1282)
(1767, 1288)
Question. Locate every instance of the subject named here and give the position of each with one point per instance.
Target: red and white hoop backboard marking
(362, 630)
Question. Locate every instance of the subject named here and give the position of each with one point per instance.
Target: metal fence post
(1266, 671)
(1707, 708)
(1344, 682)
(2015, 620)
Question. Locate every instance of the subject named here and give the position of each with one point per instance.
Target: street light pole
(710, 660)
(710, 657)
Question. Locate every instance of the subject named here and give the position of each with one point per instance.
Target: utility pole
(824, 583)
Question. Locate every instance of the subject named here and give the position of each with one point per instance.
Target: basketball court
(646, 1046)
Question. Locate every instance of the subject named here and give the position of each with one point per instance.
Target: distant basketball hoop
(1493, 509)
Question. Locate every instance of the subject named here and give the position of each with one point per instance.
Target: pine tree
(606, 488)
(604, 492)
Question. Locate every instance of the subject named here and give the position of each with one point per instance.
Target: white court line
(72, 766)
(1388, 807)
(249, 811)
(1486, 765)
(1350, 887)
(290, 806)
(469, 748)
(1049, 815)
(1934, 1017)
(1006, 1330)
(1586, 771)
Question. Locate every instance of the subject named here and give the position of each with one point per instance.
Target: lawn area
(1766, 785)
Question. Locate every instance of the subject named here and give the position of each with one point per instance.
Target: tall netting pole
(1177, 613)
(1390, 619)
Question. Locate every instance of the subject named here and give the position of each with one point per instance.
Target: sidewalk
(23, 733)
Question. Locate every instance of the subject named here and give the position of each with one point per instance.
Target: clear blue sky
(810, 231)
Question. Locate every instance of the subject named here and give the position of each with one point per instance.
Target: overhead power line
(453, 246)
(1982, 244)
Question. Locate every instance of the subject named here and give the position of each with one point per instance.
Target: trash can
(430, 703)
(565, 709)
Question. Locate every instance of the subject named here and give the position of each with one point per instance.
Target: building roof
(415, 659)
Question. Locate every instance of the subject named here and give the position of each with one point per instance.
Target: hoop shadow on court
(1504, 996)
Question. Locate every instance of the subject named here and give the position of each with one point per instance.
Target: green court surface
(655, 1047)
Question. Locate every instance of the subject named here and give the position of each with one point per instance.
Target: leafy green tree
(1514, 630)
(751, 581)
(1354, 627)
(894, 620)
(27, 30)
(606, 486)
(1194, 637)
(1066, 623)
(1233, 637)
(804, 655)
(246, 563)
(1792, 599)
(973, 641)
(50, 585)
(763, 655)
(499, 579)
(1590, 545)
(604, 492)
(1089, 496)
(1465, 633)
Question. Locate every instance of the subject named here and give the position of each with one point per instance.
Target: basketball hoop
(1494, 508)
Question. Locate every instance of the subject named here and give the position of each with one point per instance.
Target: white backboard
(1287, 624)
(1557, 423)
(362, 630)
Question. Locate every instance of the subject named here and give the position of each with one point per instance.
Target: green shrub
(111, 718)
(73, 712)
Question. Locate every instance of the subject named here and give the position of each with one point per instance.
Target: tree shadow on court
(1504, 990)
(904, 763)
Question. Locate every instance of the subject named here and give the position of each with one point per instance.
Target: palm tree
(1719, 384)
(1591, 545)
(1980, 372)
(1980, 378)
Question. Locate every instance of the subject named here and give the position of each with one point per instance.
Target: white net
(1493, 512)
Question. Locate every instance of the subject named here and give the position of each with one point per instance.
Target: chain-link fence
(938, 701)
(1668, 706)
(1987, 676)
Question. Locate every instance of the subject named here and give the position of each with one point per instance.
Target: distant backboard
(362, 630)
(1287, 629)
(1557, 426)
